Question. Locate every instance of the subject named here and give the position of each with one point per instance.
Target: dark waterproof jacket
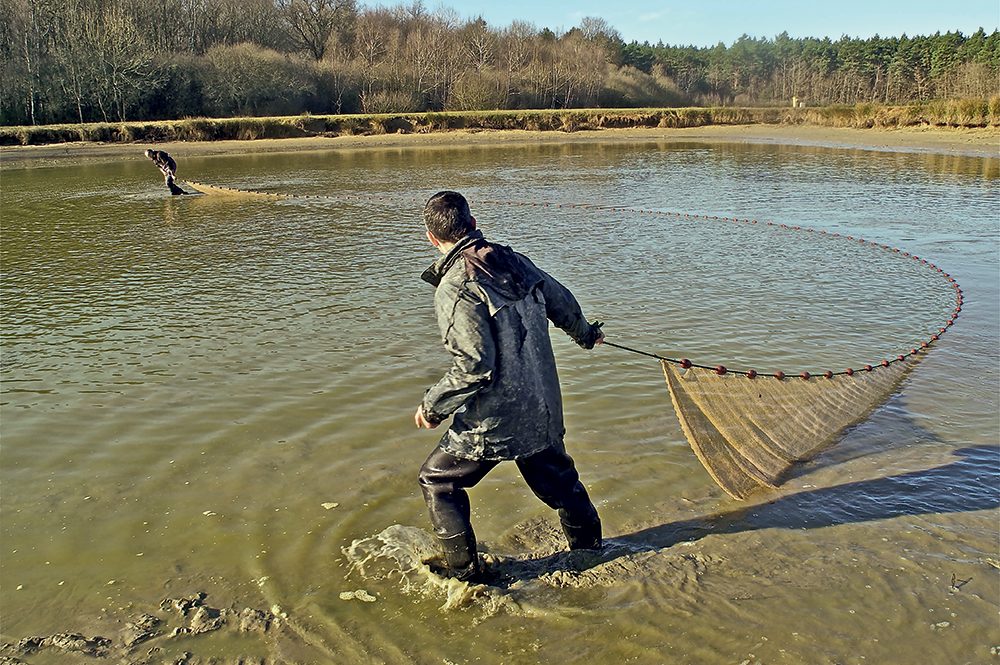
(493, 307)
(165, 162)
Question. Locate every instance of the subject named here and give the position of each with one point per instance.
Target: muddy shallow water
(208, 448)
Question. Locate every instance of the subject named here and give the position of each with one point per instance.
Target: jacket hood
(496, 268)
(436, 271)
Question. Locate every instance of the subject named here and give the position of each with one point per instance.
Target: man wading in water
(493, 307)
(167, 166)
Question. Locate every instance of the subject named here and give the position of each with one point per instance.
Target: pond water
(212, 398)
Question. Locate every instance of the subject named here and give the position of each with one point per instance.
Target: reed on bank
(945, 113)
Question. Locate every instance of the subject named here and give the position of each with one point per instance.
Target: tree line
(893, 70)
(69, 61)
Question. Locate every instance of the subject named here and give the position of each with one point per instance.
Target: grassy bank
(952, 113)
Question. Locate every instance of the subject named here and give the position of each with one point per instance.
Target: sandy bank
(969, 142)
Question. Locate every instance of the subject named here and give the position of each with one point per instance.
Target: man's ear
(434, 241)
(473, 223)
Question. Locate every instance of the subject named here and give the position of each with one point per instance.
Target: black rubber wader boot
(443, 481)
(462, 557)
(174, 189)
(552, 476)
(584, 537)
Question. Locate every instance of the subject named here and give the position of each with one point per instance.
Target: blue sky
(682, 22)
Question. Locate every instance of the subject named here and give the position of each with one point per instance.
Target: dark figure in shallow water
(502, 391)
(167, 166)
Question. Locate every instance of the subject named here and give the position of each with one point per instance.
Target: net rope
(747, 429)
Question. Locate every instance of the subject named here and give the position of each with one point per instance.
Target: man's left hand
(421, 421)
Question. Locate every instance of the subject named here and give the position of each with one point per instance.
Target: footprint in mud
(145, 634)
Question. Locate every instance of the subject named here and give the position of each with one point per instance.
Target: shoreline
(976, 142)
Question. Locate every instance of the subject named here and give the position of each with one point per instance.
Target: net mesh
(226, 191)
(749, 432)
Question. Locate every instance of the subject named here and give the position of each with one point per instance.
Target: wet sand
(979, 142)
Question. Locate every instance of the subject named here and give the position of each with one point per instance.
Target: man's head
(447, 217)
(149, 153)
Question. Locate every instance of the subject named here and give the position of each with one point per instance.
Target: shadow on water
(969, 484)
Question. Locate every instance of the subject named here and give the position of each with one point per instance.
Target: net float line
(684, 363)
(254, 194)
(721, 370)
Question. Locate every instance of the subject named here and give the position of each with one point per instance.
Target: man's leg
(443, 480)
(552, 476)
(174, 189)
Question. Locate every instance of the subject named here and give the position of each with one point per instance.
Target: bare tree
(310, 24)
(431, 57)
(581, 63)
(371, 43)
(232, 22)
(480, 45)
(600, 33)
(76, 62)
(415, 11)
(36, 24)
(517, 39)
(123, 59)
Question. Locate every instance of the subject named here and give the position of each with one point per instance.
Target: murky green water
(213, 395)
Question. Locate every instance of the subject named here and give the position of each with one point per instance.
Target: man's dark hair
(447, 216)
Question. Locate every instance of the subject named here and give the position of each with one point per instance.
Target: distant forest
(69, 61)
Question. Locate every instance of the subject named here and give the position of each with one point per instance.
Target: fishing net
(749, 429)
(226, 191)
(749, 432)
